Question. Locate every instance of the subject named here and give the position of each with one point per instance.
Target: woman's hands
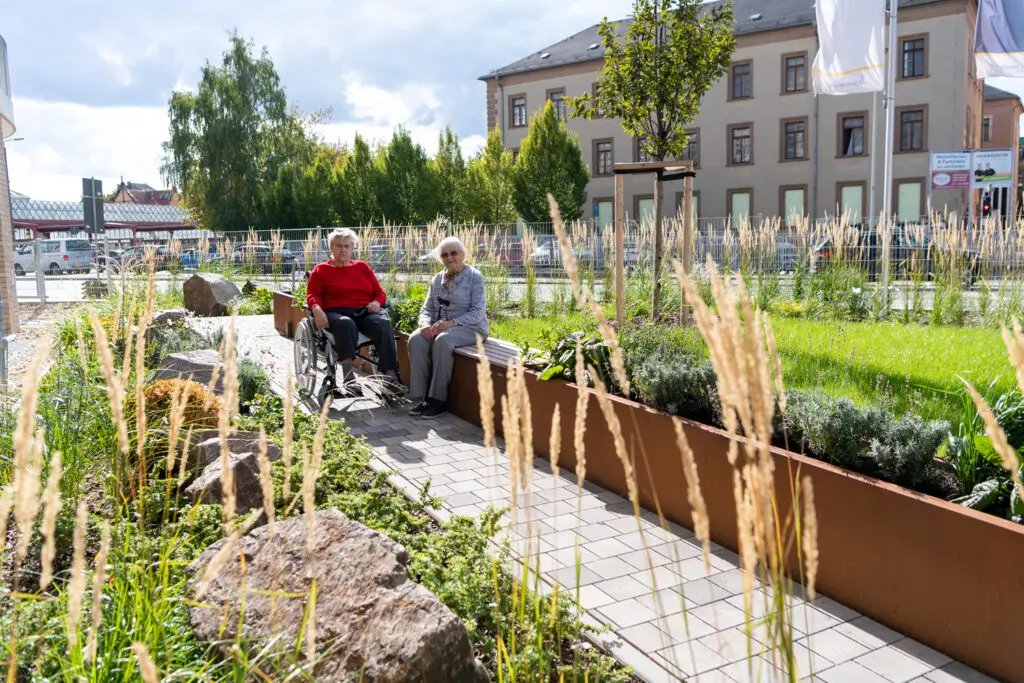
(428, 332)
(373, 307)
(320, 318)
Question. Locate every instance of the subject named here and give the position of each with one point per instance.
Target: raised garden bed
(943, 574)
(287, 315)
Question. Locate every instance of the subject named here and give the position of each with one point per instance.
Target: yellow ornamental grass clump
(202, 409)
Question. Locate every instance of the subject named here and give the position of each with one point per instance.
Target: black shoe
(420, 408)
(350, 389)
(436, 408)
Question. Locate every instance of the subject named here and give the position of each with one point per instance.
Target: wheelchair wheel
(305, 358)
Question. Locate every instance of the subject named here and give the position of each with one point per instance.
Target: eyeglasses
(446, 254)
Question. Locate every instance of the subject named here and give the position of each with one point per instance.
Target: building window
(603, 157)
(515, 154)
(601, 111)
(794, 204)
(740, 81)
(913, 57)
(694, 206)
(851, 143)
(794, 140)
(986, 129)
(739, 205)
(557, 98)
(912, 130)
(692, 152)
(741, 147)
(641, 154)
(909, 195)
(794, 70)
(518, 110)
(851, 201)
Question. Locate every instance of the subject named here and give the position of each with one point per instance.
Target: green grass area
(909, 366)
(541, 333)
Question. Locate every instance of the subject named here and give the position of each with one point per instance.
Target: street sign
(92, 203)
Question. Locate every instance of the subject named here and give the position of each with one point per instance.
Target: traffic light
(986, 204)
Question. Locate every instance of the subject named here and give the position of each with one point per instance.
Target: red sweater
(354, 286)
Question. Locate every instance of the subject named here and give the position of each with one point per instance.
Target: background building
(763, 144)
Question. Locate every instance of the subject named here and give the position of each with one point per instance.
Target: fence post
(620, 229)
(37, 250)
(687, 242)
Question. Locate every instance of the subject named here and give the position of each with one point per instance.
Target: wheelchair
(315, 356)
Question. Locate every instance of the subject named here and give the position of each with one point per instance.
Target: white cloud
(64, 142)
(413, 65)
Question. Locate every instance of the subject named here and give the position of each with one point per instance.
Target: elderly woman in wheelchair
(345, 300)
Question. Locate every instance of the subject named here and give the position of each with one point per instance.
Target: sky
(91, 81)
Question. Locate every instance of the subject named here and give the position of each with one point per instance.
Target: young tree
(229, 140)
(654, 78)
(404, 182)
(550, 160)
(449, 172)
(356, 194)
(489, 182)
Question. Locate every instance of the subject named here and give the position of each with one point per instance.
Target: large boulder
(371, 620)
(208, 294)
(205, 447)
(248, 493)
(195, 364)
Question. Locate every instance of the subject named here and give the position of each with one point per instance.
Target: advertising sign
(951, 170)
(992, 168)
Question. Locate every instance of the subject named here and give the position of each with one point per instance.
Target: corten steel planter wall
(286, 315)
(945, 575)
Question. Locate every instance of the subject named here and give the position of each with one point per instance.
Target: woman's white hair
(448, 243)
(344, 234)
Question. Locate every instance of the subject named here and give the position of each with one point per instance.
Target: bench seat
(498, 351)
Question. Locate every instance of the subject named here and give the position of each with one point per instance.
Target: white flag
(851, 56)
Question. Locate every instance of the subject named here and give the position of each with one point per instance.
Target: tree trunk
(659, 247)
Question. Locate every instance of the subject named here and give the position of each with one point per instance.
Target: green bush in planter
(904, 448)
(829, 428)
(680, 384)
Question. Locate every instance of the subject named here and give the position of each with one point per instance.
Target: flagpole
(890, 111)
(872, 160)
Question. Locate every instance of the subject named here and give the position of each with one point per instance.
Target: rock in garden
(205, 448)
(169, 317)
(195, 364)
(208, 294)
(248, 494)
(371, 620)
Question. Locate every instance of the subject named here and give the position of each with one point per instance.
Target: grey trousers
(430, 363)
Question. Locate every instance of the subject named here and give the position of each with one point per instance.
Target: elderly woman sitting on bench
(453, 315)
(345, 297)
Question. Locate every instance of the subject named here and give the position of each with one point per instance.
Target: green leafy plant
(561, 362)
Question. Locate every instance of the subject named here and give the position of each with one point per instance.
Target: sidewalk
(648, 632)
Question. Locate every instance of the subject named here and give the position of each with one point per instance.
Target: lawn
(909, 367)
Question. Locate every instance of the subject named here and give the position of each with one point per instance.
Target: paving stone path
(616, 582)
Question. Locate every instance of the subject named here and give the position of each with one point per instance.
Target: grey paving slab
(625, 613)
(616, 578)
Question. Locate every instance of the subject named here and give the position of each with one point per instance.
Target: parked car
(383, 256)
(298, 248)
(58, 256)
(264, 259)
(908, 255)
(134, 258)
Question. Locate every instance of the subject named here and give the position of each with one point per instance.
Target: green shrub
(252, 381)
(404, 308)
(829, 428)
(904, 448)
(259, 302)
(679, 384)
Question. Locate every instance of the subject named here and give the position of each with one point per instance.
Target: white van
(71, 255)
